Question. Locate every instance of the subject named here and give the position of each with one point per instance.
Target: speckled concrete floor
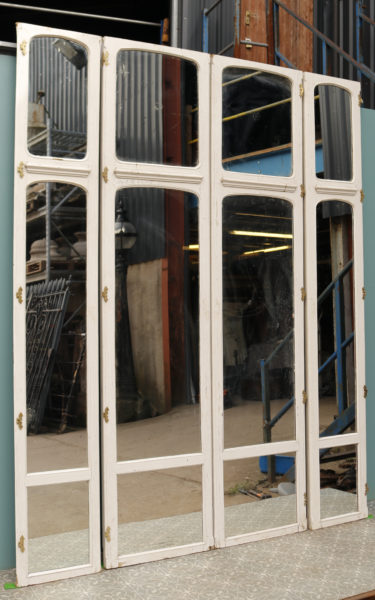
(328, 564)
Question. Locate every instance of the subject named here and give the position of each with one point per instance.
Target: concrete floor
(328, 564)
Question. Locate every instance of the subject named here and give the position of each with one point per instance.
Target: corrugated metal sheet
(64, 85)
(220, 25)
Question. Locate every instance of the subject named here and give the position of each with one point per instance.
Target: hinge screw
(105, 294)
(19, 295)
(19, 421)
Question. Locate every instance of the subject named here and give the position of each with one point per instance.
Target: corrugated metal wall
(64, 85)
(220, 25)
(337, 20)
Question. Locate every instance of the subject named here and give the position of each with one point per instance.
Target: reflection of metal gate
(45, 310)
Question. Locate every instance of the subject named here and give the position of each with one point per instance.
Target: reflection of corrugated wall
(337, 20)
(63, 84)
(139, 106)
(220, 25)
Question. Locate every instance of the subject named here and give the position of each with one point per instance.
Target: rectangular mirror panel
(338, 481)
(159, 509)
(56, 326)
(255, 503)
(58, 518)
(157, 323)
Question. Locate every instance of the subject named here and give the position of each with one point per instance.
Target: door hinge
(362, 195)
(365, 391)
(23, 46)
(303, 294)
(301, 90)
(19, 295)
(305, 499)
(360, 100)
(366, 489)
(21, 543)
(106, 415)
(107, 534)
(105, 294)
(304, 396)
(20, 169)
(19, 421)
(364, 293)
(105, 58)
(105, 174)
(303, 191)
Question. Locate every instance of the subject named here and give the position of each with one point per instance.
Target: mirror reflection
(56, 326)
(338, 481)
(58, 526)
(336, 333)
(252, 503)
(333, 133)
(258, 320)
(157, 108)
(57, 117)
(257, 122)
(157, 323)
(159, 509)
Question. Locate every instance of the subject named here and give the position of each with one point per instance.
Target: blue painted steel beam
(205, 30)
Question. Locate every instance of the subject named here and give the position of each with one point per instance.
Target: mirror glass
(336, 332)
(257, 122)
(333, 133)
(57, 115)
(56, 326)
(58, 521)
(254, 503)
(159, 509)
(258, 320)
(338, 481)
(157, 108)
(157, 323)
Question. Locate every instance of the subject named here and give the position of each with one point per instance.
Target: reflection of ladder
(46, 306)
(346, 413)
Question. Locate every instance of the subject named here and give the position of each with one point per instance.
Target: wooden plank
(296, 42)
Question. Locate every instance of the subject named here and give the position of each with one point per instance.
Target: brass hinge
(303, 191)
(305, 499)
(301, 90)
(105, 174)
(366, 489)
(360, 100)
(364, 293)
(20, 169)
(107, 534)
(365, 391)
(21, 544)
(105, 294)
(304, 396)
(303, 294)
(19, 421)
(106, 414)
(23, 46)
(19, 295)
(105, 58)
(362, 195)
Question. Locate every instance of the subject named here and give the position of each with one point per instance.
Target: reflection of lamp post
(126, 389)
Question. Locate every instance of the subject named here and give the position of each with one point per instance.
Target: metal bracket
(105, 294)
(303, 294)
(19, 295)
(106, 415)
(105, 58)
(19, 421)
(20, 169)
(107, 534)
(105, 174)
(21, 543)
(365, 391)
(23, 46)
(304, 396)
